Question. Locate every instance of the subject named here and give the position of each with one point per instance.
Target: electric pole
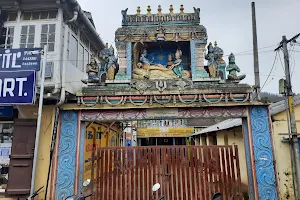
(292, 120)
(255, 54)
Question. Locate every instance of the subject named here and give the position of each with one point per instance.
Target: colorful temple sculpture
(163, 53)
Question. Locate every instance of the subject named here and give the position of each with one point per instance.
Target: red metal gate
(184, 172)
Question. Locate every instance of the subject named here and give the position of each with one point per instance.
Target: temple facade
(163, 73)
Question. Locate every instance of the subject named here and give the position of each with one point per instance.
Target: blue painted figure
(211, 61)
(124, 15)
(112, 65)
(177, 66)
(143, 58)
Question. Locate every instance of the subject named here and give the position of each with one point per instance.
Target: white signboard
(5, 149)
(162, 112)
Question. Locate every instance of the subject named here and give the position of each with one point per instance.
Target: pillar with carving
(197, 60)
(124, 52)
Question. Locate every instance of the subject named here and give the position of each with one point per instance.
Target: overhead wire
(275, 59)
(293, 63)
(281, 63)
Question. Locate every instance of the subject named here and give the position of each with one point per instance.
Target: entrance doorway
(255, 120)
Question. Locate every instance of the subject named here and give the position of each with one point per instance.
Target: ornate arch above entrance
(158, 113)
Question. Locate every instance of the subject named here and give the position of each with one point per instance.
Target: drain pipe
(85, 19)
(61, 101)
(75, 16)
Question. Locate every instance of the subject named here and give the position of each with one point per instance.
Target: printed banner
(20, 59)
(164, 132)
(17, 87)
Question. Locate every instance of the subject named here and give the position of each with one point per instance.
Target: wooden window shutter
(21, 159)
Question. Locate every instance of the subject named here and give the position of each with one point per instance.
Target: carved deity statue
(177, 66)
(170, 60)
(220, 61)
(124, 15)
(112, 65)
(92, 70)
(212, 64)
(109, 63)
(232, 68)
(219, 55)
(197, 11)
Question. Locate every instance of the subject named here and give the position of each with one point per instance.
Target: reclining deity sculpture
(148, 70)
(232, 68)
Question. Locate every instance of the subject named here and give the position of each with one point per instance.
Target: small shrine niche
(161, 60)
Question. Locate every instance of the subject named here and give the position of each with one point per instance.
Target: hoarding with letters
(20, 59)
(17, 87)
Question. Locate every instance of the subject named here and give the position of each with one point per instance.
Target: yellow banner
(164, 132)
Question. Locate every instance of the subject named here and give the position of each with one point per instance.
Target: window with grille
(81, 58)
(73, 28)
(8, 34)
(49, 69)
(12, 16)
(27, 36)
(86, 57)
(68, 47)
(48, 36)
(39, 15)
(73, 50)
(84, 41)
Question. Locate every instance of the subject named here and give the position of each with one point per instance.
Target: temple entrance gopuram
(161, 74)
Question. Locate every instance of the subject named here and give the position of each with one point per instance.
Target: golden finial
(159, 9)
(149, 10)
(138, 11)
(181, 9)
(171, 9)
(216, 43)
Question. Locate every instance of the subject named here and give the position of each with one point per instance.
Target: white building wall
(59, 56)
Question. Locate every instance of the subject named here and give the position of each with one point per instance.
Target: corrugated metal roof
(275, 108)
(226, 124)
(202, 122)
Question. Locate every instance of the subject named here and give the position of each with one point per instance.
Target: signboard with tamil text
(18, 74)
(20, 59)
(17, 87)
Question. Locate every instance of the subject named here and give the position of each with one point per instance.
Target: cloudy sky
(229, 23)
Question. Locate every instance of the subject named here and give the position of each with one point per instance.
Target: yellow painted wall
(235, 137)
(109, 138)
(282, 153)
(30, 112)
